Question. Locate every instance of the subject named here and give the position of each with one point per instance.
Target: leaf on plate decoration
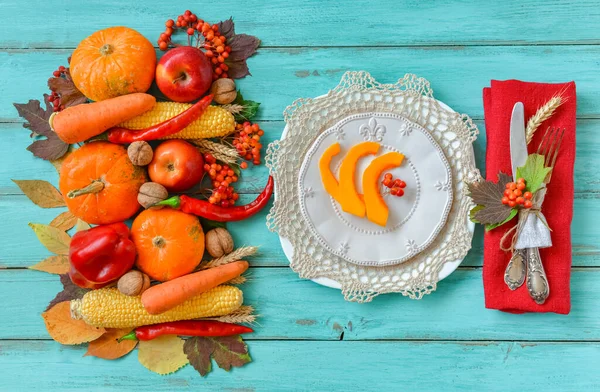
(67, 330)
(227, 351)
(64, 221)
(488, 197)
(107, 346)
(70, 291)
(53, 265)
(41, 192)
(242, 47)
(55, 240)
(162, 355)
(533, 172)
(36, 119)
(64, 86)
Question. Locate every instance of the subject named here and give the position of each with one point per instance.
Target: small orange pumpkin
(100, 184)
(169, 243)
(112, 62)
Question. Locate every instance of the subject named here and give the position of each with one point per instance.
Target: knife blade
(518, 144)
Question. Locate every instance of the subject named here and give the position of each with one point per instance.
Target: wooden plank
(372, 23)
(292, 308)
(323, 366)
(280, 76)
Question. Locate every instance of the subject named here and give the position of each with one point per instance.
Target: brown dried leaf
(66, 330)
(41, 193)
(53, 265)
(107, 346)
(227, 351)
(162, 355)
(64, 221)
(489, 195)
(70, 291)
(64, 86)
(55, 240)
(57, 163)
(242, 47)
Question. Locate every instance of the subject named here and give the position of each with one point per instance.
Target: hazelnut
(224, 91)
(140, 153)
(151, 193)
(219, 242)
(133, 283)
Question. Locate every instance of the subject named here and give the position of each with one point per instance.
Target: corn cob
(214, 122)
(109, 308)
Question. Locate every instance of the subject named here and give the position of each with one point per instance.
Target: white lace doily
(411, 98)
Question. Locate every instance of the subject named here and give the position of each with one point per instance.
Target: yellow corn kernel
(214, 122)
(109, 308)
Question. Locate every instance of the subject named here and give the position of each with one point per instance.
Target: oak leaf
(53, 265)
(70, 291)
(162, 355)
(64, 221)
(55, 240)
(107, 346)
(227, 351)
(67, 330)
(489, 195)
(41, 192)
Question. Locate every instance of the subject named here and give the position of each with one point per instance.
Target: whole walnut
(140, 153)
(224, 91)
(133, 283)
(151, 193)
(218, 242)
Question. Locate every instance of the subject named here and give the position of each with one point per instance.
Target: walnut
(224, 91)
(133, 283)
(151, 193)
(219, 242)
(140, 153)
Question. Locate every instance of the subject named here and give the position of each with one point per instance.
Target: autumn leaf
(242, 47)
(227, 351)
(64, 86)
(245, 109)
(57, 163)
(489, 195)
(107, 347)
(162, 355)
(513, 213)
(53, 265)
(64, 221)
(67, 330)
(36, 119)
(55, 240)
(41, 193)
(70, 291)
(81, 226)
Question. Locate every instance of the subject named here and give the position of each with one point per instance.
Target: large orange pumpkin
(169, 243)
(112, 62)
(100, 184)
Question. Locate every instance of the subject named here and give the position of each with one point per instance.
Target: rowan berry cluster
(246, 140)
(516, 195)
(54, 96)
(396, 186)
(221, 176)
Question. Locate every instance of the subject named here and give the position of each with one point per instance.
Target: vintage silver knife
(514, 276)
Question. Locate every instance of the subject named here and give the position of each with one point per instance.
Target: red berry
(508, 185)
(190, 31)
(169, 23)
(507, 192)
(520, 179)
(388, 175)
(512, 196)
(520, 200)
(162, 45)
(518, 192)
(244, 165)
(521, 186)
(394, 191)
(387, 182)
(512, 203)
(528, 195)
(528, 204)
(56, 74)
(505, 200)
(402, 184)
(513, 186)
(400, 192)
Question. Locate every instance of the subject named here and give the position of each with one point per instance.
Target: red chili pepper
(217, 213)
(187, 328)
(100, 255)
(173, 125)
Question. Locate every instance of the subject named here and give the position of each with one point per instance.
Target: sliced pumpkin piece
(377, 210)
(329, 181)
(349, 198)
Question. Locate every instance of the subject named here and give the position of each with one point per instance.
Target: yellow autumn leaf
(162, 355)
(53, 265)
(66, 330)
(64, 221)
(107, 347)
(55, 240)
(41, 193)
(81, 225)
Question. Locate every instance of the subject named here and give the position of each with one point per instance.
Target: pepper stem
(94, 187)
(173, 202)
(129, 336)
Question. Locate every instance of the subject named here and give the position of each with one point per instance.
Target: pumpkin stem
(159, 242)
(94, 187)
(106, 49)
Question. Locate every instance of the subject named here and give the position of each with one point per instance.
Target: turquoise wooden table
(308, 337)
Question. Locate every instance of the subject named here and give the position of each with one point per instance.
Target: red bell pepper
(100, 255)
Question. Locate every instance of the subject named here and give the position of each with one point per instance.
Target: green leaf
(474, 211)
(227, 351)
(248, 108)
(533, 172)
(513, 213)
(208, 224)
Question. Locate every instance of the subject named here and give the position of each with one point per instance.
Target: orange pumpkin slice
(349, 198)
(377, 210)
(329, 181)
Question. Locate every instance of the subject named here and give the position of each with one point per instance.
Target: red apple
(176, 165)
(184, 74)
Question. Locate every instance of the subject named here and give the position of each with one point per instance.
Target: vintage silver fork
(537, 282)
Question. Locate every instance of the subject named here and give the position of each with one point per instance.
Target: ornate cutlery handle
(514, 276)
(537, 282)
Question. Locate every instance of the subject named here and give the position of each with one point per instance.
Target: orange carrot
(80, 122)
(162, 297)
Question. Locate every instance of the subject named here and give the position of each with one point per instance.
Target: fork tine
(552, 141)
(555, 155)
(542, 143)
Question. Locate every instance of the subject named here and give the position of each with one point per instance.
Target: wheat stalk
(238, 280)
(236, 255)
(233, 108)
(243, 315)
(542, 114)
(219, 151)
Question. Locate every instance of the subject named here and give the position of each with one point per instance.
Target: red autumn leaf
(64, 86)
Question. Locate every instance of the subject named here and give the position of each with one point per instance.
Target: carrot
(162, 297)
(80, 122)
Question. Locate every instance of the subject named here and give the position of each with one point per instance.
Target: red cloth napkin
(498, 102)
